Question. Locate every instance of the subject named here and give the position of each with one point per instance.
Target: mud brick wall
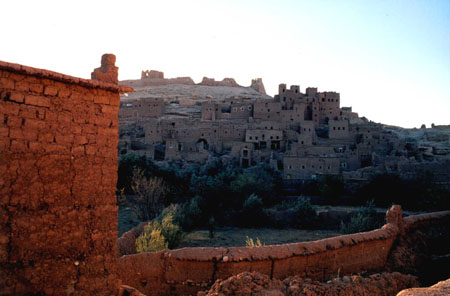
(186, 271)
(58, 170)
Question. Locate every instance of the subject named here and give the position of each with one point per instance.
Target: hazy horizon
(389, 60)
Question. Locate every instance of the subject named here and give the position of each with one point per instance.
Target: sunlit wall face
(390, 60)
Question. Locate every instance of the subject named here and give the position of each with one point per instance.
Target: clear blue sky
(390, 60)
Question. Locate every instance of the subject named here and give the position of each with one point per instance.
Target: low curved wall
(188, 270)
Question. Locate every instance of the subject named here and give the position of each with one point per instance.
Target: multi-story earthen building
(303, 135)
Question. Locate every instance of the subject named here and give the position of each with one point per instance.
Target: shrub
(363, 220)
(190, 214)
(306, 216)
(151, 240)
(250, 243)
(171, 231)
(159, 235)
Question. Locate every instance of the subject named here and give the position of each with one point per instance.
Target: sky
(389, 59)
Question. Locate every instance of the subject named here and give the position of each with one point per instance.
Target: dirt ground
(229, 236)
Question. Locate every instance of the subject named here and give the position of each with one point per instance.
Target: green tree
(253, 214)
(305, 214)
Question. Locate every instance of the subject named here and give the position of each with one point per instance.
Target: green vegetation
(364, 220)
(419, 193)
(306, 216)
(219, 194)
(160, 235)
(252, 214)
(151, 240)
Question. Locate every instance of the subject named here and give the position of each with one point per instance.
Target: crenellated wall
(58, 172)
(188, 270)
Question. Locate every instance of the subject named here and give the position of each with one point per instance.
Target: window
(303, 166)
(290, 167)
(242, 108)
(249, 108)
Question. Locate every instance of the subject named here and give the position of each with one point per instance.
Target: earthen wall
(58, 170)
(188, 270)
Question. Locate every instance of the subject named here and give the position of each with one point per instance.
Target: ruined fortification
(58, 172)
(156, 78)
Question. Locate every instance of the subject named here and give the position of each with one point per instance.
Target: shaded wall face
(58, 163)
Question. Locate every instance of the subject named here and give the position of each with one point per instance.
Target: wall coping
(42, 73)
(275, 252)
(411, 221)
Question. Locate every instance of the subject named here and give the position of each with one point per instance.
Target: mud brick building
(304, 135)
